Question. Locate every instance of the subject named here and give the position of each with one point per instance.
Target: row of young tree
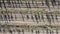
(28, 4)
(39, 15)
(23, 31)
(35, 15)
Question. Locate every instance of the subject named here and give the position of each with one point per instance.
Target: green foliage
(4, 11)
(47, 26)
(27, 26)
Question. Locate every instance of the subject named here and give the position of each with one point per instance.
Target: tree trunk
(27, 16)
(42, 17)
(39, 17)
(42, 3)
(36, 18)
(56, 17)
(32, 18)
(52, 17)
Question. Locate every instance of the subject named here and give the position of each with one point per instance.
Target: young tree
(22, 15)
(23, 31)
(53, 3)
(58, 2)
(27, 16)
(42, 17)
(31, 12)
(47, 3)
(0, 5)
(5, 17)
(19, 3)
(18, 31)
(32, 18)
(15, 17)
(1, 17)
(12, 4)
(47, 31)
(29, 4)
(14, 30)
(36, 18)
(10, 31)
(11, 17)
(52, 17)
(36, 32)
(57, 31)
(48, 17)
(8, 17)
(56, 17)
(42, 3)
(32, 30)
(0, 30)
(39, 17)
(4, 31)
(8, 2)
(32, 2)
(15, 3)
(50, 32)
(4, 4)
(37, 4)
